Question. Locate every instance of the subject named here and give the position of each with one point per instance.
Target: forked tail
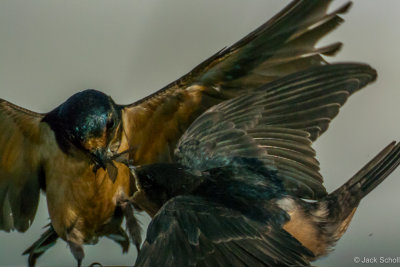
(342, 203)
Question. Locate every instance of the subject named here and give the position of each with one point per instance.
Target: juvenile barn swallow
(235, 193)
(77, 153)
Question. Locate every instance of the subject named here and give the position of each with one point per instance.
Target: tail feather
(334, 213)
(368, 178)
(46, 240)
(342, 203)
(386, 167)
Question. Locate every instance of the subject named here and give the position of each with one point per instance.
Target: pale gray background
(128, 49)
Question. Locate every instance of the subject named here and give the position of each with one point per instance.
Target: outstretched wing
(20, 174)
(275, 124)
(191, 231)
(281, 46)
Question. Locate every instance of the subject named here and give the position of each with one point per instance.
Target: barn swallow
(235, 193)
(77, 153)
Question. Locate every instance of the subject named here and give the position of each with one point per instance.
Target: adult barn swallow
(70, 153)
(235, 193)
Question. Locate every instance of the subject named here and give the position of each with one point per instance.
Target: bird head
(91, 121)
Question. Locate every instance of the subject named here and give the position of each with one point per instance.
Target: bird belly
(302, 227)
(81, 202)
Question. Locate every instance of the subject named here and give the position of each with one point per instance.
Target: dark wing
(283, 45)
(191, 231)
(275, 124)
(21, 135)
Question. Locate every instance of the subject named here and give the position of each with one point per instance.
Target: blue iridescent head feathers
(87, 114)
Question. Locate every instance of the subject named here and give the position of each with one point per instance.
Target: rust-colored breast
(81, 201)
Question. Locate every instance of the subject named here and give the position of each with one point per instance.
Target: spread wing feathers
(281, 46)
(191, 231)
(308, 100)
(20, 138)
(275, 124)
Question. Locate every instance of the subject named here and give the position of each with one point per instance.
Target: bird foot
(132, 224)
(77, 251)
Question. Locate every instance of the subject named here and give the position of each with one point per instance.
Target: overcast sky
(52, 49)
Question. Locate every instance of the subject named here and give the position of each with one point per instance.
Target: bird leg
(132, 224)
(77, 251)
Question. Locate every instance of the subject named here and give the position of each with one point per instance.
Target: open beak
(103, 160)
(100, 158)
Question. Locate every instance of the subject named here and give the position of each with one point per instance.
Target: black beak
(102, 160)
